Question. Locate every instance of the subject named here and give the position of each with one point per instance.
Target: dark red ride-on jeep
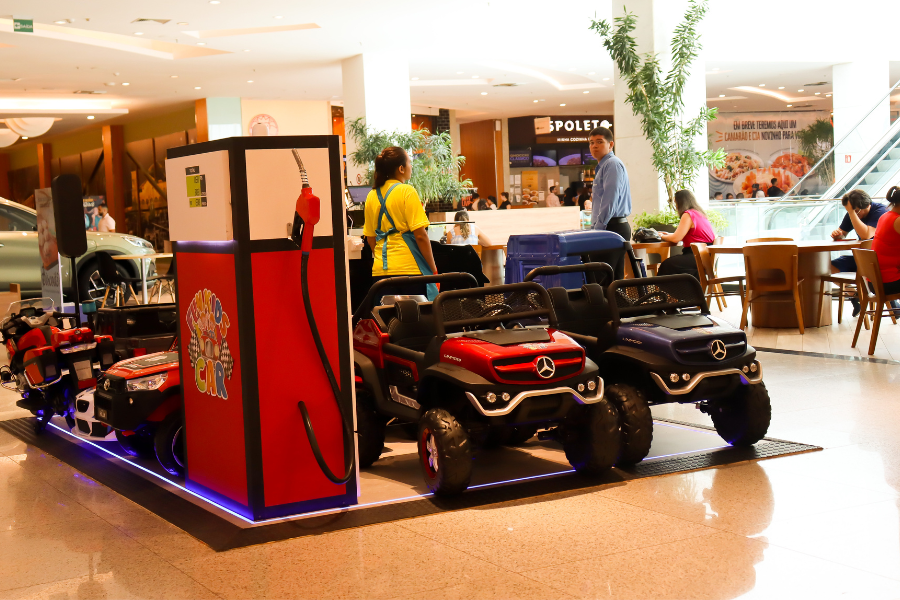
(464, 365)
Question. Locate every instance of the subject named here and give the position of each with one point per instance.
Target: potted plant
(657, 99)
(667, 220)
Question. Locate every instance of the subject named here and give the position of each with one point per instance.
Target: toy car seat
(412, 325)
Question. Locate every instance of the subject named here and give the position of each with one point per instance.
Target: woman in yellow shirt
(396, 223)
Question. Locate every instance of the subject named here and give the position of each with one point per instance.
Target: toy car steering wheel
(659, 294)
(495, 310)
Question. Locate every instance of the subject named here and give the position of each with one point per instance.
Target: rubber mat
(164, 496)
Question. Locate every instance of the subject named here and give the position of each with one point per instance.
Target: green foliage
(435, 173)
(815, 142)
(668, 216)
(658, 101)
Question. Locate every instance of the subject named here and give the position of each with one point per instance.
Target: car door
(20, 261)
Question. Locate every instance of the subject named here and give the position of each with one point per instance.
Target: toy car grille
(697, 351)
(475, 306)
(511, 369)
(642, 296)
(82, 405)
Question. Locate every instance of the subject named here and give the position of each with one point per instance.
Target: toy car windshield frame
(527, 300)
(681, 291)
(368, 303)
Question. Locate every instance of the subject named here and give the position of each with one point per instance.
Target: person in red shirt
(887, 246)
(693, 227)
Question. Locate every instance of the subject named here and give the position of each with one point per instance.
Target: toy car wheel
(591, 437)
(168, 443)
(370, 426)
(743, 419)
(444, 452)
(140, 443)
(635, 421)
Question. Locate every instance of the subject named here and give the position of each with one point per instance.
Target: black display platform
(692, 446)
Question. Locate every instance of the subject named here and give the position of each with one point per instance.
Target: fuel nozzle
(307, 211)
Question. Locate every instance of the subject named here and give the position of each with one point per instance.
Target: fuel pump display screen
(196, 187)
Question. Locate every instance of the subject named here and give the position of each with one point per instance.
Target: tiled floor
(817, 525)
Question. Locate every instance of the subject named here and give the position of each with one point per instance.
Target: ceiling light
(592, 73)
(90, 117)
(535, 101)
(278, 17)
(474, 76)
(781, 88)
(24, 137)
(126, 83)
(201, 43)
(762, 85)
(562, 104)
(459, 72)
(182, 23)
(721, 95)
(197, 88)
(585, 92)
(606, 79)
(828, 95)
(63, 22)
(138, 33)
(246, 50)
(213, 1)
(799, 90)
(818, 93)
(415, 78)
(542, 100)
(789, 105)
(249, 81)
(484, 93)
(174, 76)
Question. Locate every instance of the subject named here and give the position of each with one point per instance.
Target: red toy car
(141, 399)
(468, 365)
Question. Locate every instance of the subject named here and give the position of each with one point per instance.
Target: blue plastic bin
(527, 252)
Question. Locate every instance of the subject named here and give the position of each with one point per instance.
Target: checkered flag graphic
(194, 348)
(227, 359)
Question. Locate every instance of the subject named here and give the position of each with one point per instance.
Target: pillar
(4, 176)
(201, 120)
(45, 167)
(376, 87)
(114, 167)
(223, 117)
(656, 20)
(859, 87)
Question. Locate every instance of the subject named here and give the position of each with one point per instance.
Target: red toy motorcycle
(50, 360)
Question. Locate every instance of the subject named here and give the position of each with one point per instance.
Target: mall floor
(817, 525)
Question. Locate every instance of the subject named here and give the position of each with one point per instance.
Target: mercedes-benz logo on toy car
(545, 366)
(106, 384)
(717, 349)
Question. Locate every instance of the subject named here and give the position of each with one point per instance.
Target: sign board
(23, 25)
(569, 129)
(51, 275)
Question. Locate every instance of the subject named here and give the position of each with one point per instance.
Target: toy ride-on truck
(141, 399)
(466, 364)
(655, 342)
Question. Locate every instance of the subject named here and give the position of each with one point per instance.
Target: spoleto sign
(570, 125)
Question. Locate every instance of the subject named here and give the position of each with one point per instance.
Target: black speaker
(68, 212)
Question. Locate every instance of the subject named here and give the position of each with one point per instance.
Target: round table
(814, 261)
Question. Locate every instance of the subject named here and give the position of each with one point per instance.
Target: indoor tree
(435, 173)
(657, 98)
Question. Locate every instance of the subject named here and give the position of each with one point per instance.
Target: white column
(656, 20)
(223, 117)
(857, 88)
(376, 87)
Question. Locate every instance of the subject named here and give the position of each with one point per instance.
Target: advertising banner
(51, 277)
(760, 147)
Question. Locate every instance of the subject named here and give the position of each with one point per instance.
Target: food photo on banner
(763, 146)
(92, 211)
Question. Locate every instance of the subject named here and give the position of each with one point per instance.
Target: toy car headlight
(580, 387)
(592, 385)
(753, 367)
(505, 396)
(673, 377)
(151, 382)
(490, 397)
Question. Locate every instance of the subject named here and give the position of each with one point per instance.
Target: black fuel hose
(349, 450)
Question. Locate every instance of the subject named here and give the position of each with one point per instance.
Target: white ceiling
(541, 47)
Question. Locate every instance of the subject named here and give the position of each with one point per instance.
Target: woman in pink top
(694, 227)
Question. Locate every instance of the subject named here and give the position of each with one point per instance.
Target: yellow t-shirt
(405, 208)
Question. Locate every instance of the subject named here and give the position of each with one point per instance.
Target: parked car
(20, 261)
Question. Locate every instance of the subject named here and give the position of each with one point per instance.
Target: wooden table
(814, 262)
(144, 258)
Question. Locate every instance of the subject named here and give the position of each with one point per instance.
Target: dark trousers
(614, 258)
(680, 263)
(409, 289)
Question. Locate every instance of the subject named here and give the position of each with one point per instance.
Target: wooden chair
(772, 239)
(712, 285)
(165, 279)
(772, 276)
(867, 269)
(718, 242)
(846, 283)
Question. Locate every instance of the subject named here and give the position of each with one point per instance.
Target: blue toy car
(655, 342)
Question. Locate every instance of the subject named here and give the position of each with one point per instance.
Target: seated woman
(465, 234)
(694, 227)
(887, 245)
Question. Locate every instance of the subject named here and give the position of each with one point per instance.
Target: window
(14, 219)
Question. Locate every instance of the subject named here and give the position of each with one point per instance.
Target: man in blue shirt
(862, 217)
(610, 195)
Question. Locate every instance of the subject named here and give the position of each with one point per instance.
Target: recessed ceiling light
(535, 101)
(415, 78)
(174, 76)
(24, 137)
(249, 81)
(474, 76)
(762, 85)
(799, 90)
(213, 1)
(562, 104)
(90, 117)
(201, 43)
(721, 95)
(278, 17)
(126, 83)
(182, 23)
(459, 72)
(197, 88)
(606, 79)
(781, 88)
(828, 95)
(138, 33)
(585, 92)
(246, 50)
(484, 93)
(542, 100)
(789, 105)
(63, 22)
(818, 93)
